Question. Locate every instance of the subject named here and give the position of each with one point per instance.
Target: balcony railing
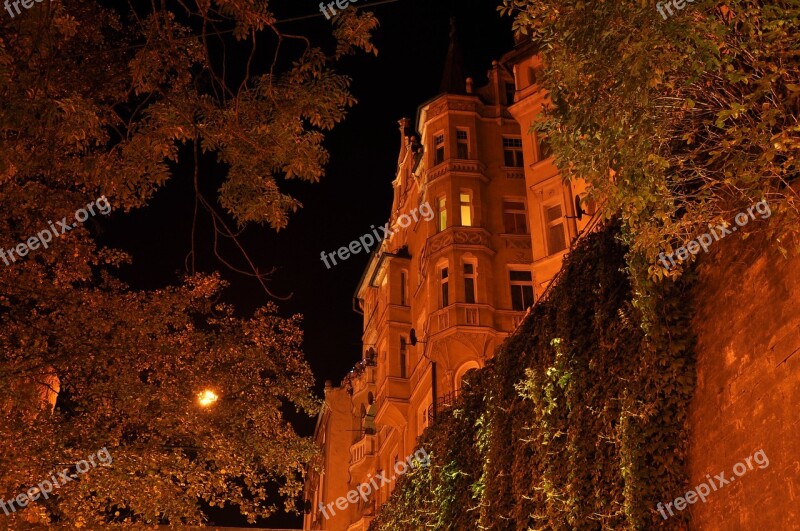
(473, 316)
(443, 402)
(365, 447)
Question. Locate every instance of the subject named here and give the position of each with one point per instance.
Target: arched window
(462, 371)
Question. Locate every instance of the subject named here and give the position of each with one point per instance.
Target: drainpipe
(433, 390)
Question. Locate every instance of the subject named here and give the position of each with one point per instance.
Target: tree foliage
(98, 100)
(675, 123)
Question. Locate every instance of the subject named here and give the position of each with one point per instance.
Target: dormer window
(511, 91)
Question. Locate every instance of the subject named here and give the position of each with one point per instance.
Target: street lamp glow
(207, 397)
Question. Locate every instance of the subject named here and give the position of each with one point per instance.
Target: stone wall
(748, 387)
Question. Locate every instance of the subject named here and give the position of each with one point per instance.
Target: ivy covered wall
(579, 422)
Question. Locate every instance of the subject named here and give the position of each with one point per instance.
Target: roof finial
(453, 79)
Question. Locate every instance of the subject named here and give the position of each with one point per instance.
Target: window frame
(513, 145)
(510, 91)
(522, 284)
(439, 143)
(403, 357)
(462, 142)
(403, 288)
(547, 225)
(441, 213)
(444, 286)
(543, 148)
(473, 277)
(468, 205)
(515, 212)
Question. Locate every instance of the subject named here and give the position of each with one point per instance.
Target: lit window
(514, 217)
(438, 142)
(445, 295)
(465, 198)
(441, 204)
(469, 283)
(521, 289)
(554, 225)
(512, 152)
(462, 143)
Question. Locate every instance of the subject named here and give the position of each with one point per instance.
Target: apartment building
(439, 296)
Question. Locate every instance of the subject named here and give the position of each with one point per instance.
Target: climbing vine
(579, 421)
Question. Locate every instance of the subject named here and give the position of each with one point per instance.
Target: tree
(676, 123)
(102, 102)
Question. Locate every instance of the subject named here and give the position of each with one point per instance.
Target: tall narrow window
(445, 294)
(438, 143)
(511, 91)
(554, 225)
(521, 289)
(531, 75)
(403, 288)
(514, 217)
(462, 143)
(469, 283)
(465, 198)
(512, 152)
(544, 148)
(441, 207)
(403, 350)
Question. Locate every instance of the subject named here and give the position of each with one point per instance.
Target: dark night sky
(355, 193)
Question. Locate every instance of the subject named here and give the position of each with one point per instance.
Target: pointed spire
(453, 78)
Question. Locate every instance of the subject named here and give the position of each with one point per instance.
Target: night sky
(355, 193)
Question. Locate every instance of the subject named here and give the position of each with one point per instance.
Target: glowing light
(207, 397)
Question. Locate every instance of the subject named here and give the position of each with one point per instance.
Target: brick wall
(748, 387)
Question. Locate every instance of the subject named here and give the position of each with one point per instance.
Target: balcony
(461, 315)
(469, 167)
(365, 447)
(391, 405)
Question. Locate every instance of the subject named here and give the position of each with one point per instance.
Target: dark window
(445, 295)
(511, 91)
(514, 217)
(544, 148)
(438, 142)
(512, 152)
(469, 283)
(402, 357)
(556, 234)
(521, 289)
(462, 139)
